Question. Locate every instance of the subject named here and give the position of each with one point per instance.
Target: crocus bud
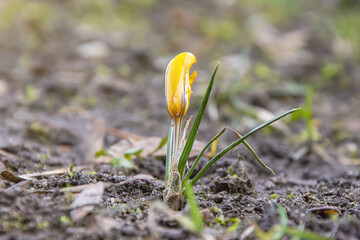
(178, 84)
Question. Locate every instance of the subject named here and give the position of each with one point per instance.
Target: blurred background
(108, 58)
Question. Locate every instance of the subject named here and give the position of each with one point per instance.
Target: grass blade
(195, 214)
(169, 151)
(257, 157)
(253, 152)
(188, 174)
(282, 215)
(237, 142)
(190, 141)
(308, 114)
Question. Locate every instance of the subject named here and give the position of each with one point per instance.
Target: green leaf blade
(190, 141)
(195, 214)
(132, 152)
(257, 157)
(169, 151)
(161, 144)
(237, 142)
(188, 174)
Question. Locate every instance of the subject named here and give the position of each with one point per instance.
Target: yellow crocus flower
(178, 84)
(178, 89)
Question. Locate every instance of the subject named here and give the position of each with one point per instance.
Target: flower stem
(177, 136)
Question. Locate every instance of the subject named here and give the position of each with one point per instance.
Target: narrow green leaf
(132, 151)
(237, 142)
(188, 174)
(257, 157)
(71, 170)
(190, 141)
(169, 151)
(253, 152)
(101, 152)
(66, 221)
(236, 222)
(122, 162)
(195, 214)
(161, 144)
(308, 114)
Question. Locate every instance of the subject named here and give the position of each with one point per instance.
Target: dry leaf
(51, 172)
(84, 202)
(147, 144)
(8, 176)
(7, 154)
(77, 189)
(105, 224)
(19, 186)
(325, 212)
(143, 177)
(349, 161)
(122, 134)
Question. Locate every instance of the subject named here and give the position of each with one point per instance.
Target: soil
(57, 106)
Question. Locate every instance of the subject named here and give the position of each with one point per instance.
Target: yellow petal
(178, 84)
(192, 78)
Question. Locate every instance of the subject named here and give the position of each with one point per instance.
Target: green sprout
(310, 133)
(66, 221)
(290, 195)
(71, 170)
(235, 224)
(178, 91)
(42, 225)
(124, 161)
(274, 196)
